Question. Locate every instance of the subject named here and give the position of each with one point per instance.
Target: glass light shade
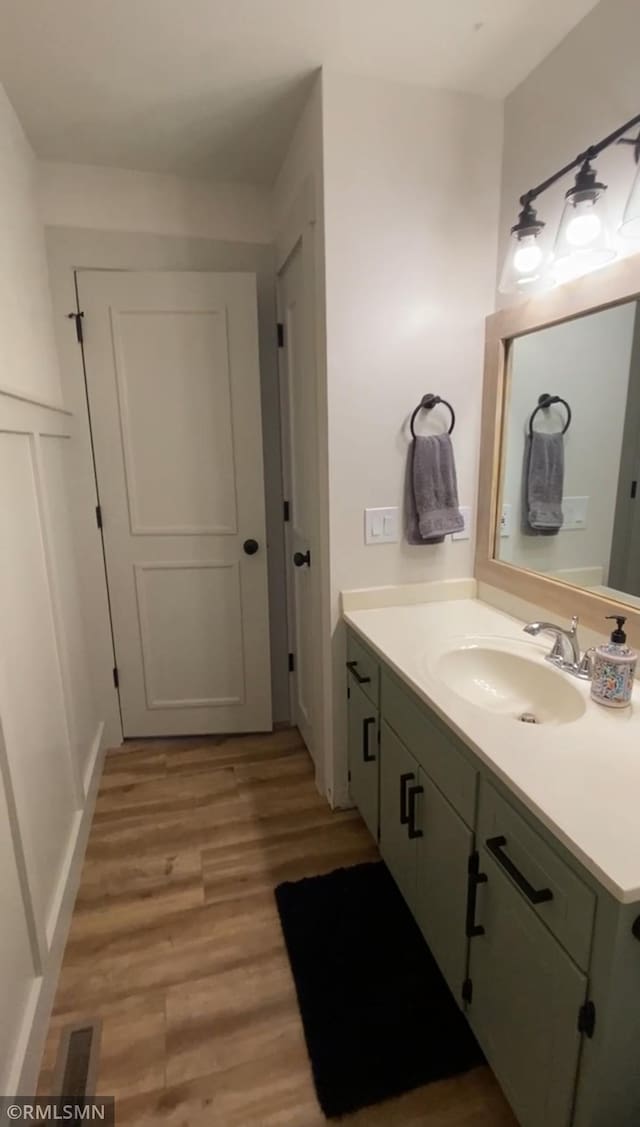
(583, 242)
(523, 264)
(630, 226)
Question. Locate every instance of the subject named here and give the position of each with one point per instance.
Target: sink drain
(528, 718)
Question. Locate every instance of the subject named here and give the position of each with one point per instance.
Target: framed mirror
(559, 489)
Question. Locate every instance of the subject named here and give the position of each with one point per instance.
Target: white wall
(49, 726)
(411, 203)
(27, 357)
(585, 361)
(116, 199)
(584, 89)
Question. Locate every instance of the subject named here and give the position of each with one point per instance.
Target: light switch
(465, 532)
(575, 511)
(505, 521)
(381, 526)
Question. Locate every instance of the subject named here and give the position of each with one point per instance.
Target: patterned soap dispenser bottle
(614, 668)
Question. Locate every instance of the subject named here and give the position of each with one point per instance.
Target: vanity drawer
(363, 667)
(432, 745)
(535, 868)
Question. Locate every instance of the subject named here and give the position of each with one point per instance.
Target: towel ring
(546, 401)
(427, 403)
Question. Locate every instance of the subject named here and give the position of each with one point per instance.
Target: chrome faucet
(565, 651)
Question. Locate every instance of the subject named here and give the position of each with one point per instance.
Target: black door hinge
(280, 335)
(286, 508)
(116, 677)
(348, 692)
(587, 1019)
(634, 490)
(292, 663)
(467, 990)
(77, 317)
(99, 516)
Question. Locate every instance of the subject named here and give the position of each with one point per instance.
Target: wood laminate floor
(175, 941)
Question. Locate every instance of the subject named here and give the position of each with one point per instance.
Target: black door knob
(302, 558)
(251, 547)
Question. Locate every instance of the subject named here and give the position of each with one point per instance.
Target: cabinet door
(441, 895)
(363, 757)
(524, 1010)
(400, 813)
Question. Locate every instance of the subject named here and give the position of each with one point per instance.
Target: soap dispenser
(614, 668)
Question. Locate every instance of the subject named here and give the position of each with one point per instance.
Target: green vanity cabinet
(441, 887)
(544, 960)
(526, 996)
(364, 760)
(400, 791)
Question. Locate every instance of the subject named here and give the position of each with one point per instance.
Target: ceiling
(212, 88)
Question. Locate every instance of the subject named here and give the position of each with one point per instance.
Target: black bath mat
(378, 1017)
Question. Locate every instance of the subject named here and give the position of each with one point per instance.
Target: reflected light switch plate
(575, 510)
(505, 523)
(381, 526)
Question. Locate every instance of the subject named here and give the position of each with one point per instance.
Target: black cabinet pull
(366, 724)
(352, 667)
(495, 845)
(250, 547)
(302, 558)
(413, 793)
(404, 813)
(474, 878)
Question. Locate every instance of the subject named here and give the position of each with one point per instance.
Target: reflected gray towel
(431, 491)
(544, 482)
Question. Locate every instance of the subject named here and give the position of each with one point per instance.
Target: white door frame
(299, 230)
(72, 248)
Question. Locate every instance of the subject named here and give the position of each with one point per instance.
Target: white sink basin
(506, 682)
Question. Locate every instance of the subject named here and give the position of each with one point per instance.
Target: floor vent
(78, 1058)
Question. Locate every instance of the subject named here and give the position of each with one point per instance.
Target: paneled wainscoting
(50, 735)
(176, 946)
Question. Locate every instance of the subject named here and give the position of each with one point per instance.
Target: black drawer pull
(366, 724)
(413, 793)
(351, 666)
(404, 813)
(495, 845)
(474, 878)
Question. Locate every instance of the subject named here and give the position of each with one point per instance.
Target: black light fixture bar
(588, 155)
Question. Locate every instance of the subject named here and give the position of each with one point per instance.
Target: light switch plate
(505, 521)
(465, 533)
(575, 511)
(381, 526)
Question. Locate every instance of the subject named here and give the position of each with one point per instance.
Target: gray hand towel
(544, 483)
(431, 491)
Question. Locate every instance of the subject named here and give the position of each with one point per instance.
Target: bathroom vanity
(515, 844)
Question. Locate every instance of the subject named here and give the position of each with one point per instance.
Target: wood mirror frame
(613, 285)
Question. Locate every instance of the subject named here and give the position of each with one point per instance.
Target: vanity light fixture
(630, 226)
(583, 241)
(525, 257)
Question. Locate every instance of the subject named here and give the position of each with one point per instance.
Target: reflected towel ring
(546, 401)
(427, 403)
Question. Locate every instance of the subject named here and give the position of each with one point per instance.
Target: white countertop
(581, 779)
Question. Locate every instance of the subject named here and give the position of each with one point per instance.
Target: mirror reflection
(571, 453)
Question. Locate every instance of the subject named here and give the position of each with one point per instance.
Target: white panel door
(174, 394)
(300, 482)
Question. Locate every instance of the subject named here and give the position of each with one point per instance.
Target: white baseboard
(23, 1077)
